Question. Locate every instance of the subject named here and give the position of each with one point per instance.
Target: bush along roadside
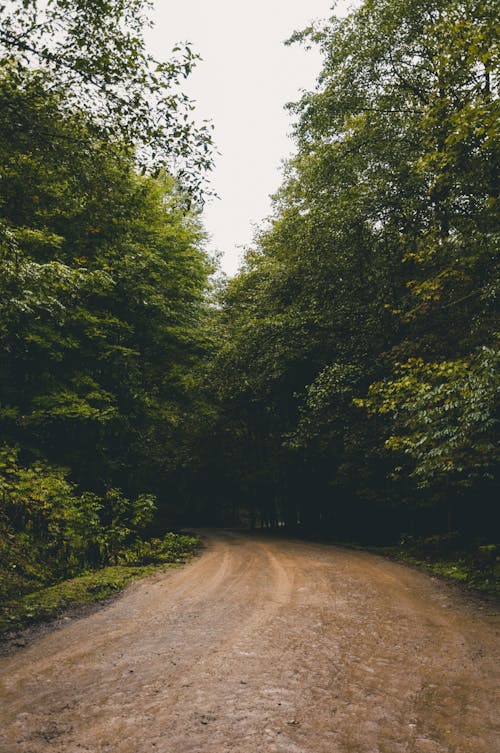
(21, 611)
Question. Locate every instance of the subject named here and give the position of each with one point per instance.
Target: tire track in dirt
(262, 645)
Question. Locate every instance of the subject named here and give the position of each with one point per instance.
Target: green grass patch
(462, 568)
(95, 585)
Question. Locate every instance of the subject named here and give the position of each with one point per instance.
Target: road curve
(262, 646)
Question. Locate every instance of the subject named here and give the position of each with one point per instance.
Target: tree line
(104, 285)
(357, 367)
(343, 382)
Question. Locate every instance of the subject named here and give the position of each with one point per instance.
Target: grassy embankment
(477, 567)
(50, 601)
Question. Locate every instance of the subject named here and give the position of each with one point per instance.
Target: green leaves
(373, 284)
(102, 324)
(46, 527)
(94, 55)
(444, 417)
(49, 531)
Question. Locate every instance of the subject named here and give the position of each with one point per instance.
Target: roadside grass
(476, 567)
(51, 601)
(461, 568)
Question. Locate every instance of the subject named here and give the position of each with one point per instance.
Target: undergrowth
(23, 610)
(460, 569)
(476, 566)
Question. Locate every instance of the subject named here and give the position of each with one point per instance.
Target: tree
(95, 54)
(376, 268)
(103, 283)
(102, 288)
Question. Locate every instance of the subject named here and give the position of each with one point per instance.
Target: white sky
(246, 77)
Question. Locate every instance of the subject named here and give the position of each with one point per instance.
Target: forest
(343, 384)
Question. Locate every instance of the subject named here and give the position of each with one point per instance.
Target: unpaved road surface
(263, 646)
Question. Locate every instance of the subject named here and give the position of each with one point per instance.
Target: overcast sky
(242, 84)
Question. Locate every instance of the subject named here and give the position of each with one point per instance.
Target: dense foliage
(358, 366)
(102, 289)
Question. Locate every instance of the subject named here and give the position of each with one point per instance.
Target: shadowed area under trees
(343, 383)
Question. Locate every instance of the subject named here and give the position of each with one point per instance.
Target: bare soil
(263, 645)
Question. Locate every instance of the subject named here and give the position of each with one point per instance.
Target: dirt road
(263, 646)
